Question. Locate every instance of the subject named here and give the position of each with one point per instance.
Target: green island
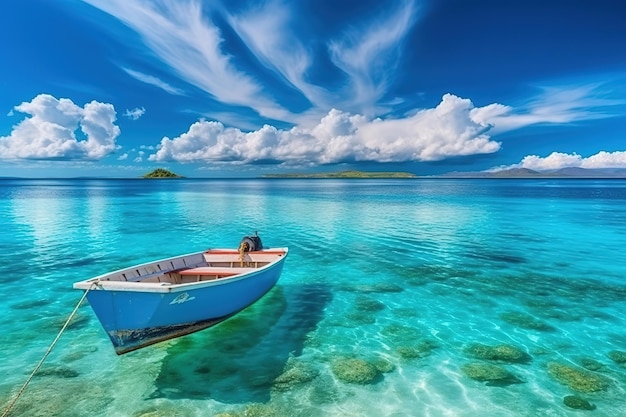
(346, 174)
(162, 173)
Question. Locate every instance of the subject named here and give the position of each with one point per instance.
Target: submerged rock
(259, 410)
(296, 373)
(360, 317)
(574, 401)
(405, 312)
(618, 357)
(421, 349)
(400, 332)
(525, 321)
(591, 364)
(326, 391)
(501, 353)
(577, 379)
(251, 410)
(368, 304)
(408, 352)
(374, 288)
(58, 371)
(383, 365)
(417, 281)
(494, 375)
(355, 371)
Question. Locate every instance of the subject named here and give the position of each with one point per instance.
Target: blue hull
(135, 319)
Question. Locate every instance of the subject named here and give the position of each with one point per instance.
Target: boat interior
(206, 266)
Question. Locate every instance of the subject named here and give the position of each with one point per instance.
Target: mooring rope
(56, 339)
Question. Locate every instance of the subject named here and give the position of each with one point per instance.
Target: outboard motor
(251, 243)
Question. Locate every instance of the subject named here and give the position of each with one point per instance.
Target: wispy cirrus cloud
(184, 38)
(183, 35)
(341, 123)
(155, 81)
(54, 126)
(266, 31)
(554, 105)
(368, 53)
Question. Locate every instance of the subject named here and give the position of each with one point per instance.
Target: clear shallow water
(406, 275)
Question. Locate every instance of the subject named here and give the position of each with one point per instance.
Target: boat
(161, 300)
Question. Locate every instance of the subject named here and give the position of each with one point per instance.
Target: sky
(243, 88)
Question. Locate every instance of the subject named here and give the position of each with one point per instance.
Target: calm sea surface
(399, 298)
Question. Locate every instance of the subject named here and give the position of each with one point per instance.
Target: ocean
(413, 297)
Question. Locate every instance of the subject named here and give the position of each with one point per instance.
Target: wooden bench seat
(211, 270)
(148, 277)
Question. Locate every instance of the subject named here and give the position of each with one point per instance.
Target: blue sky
(116, 88)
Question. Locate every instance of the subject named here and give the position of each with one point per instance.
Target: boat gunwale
(99, 284)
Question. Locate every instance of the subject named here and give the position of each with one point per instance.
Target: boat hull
(125, 341)
(134, 319)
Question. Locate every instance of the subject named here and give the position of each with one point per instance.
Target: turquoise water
(394, 299)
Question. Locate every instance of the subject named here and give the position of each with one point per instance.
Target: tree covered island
(162, 173)
(346, 174)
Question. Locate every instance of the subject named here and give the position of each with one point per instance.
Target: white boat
(161, 300)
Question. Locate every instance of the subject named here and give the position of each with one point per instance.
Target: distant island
(525, 173)
(162, 173)
(345, 174)
(522, 173)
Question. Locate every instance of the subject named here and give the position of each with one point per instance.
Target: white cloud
(604, 159)
(139, 157)
(265, 31)
(155, 81)
(429, 135)
(184, 36)
(50, 131)
(556, 105)
(135, 113)
(558, 160)
(191, 44)
(368, 54)
(123, 157)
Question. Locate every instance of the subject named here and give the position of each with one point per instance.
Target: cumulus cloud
(429, 135)
(51, 130)
(139, 157)
(605, 160)
(135, 113)
(558, 160)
